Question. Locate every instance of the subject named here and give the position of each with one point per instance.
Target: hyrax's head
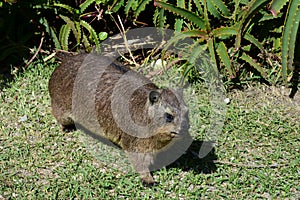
(168, 112)
(164, 113)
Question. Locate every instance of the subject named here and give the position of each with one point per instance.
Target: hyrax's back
(61, 87)
(117, 103)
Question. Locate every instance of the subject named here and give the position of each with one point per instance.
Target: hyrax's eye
(168, 117)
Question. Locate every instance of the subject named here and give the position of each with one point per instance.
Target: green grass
(257, 155)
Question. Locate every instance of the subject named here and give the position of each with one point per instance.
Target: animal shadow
(190, 161)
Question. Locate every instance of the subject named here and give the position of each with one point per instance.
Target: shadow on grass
(191, 162)
(5, 79)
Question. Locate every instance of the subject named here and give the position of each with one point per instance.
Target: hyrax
(116, 103)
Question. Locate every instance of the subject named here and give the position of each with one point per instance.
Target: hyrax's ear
(154, 96)
(179, 91)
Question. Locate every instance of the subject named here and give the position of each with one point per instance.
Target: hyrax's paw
(148, 182)
(68, 128)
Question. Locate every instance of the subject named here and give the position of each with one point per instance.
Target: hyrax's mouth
(174, 134)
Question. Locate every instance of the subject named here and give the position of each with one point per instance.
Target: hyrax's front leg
(141, 163)
(63, 117)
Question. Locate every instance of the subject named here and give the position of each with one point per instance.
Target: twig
(39, 48)
(126, 42)
(122, 31)
(126, 59)
(49, 57)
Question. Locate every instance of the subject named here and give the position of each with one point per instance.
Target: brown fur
(164, 116)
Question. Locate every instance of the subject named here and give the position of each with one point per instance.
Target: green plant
(229, 32)
(18, 31)
(74, 21)
(230, 40)
(134, 7)
(291, 24)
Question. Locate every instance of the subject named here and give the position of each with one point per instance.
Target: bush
(245, 39)
(242, 33)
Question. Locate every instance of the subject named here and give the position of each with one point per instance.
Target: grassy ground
(256, 157)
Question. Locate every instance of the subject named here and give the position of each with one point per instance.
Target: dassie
(117, 103)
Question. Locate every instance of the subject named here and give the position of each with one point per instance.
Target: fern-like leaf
(51, 32)
(212, 9)
(192, 17)
(162, 18)
(254, 64)
(78, 28)
(178, 25)
(198, 6)
(64, 34)
(54, 39)
(92, 32)
(220, 5)
(71, 24)
(222, 51)
(254, 41)
(179, 22)
(277, 5)
(67, 7)
(181, 3)
(212, 52)
(194, 54)
(130, 4)
(141, 7)
(289, 36)
(228, 31)
(205, 15)
(117, 6)
(187, 34)
(85, 5)
(224, 31)
(253, 8)
(186, 69)
(86, 43)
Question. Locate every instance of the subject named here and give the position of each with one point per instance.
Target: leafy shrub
(74, 21)
(290, 31)
(25, 25)
(239, 32)
(18, 30)
(240, 35)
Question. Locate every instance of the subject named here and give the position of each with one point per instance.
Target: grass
(257, 155)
